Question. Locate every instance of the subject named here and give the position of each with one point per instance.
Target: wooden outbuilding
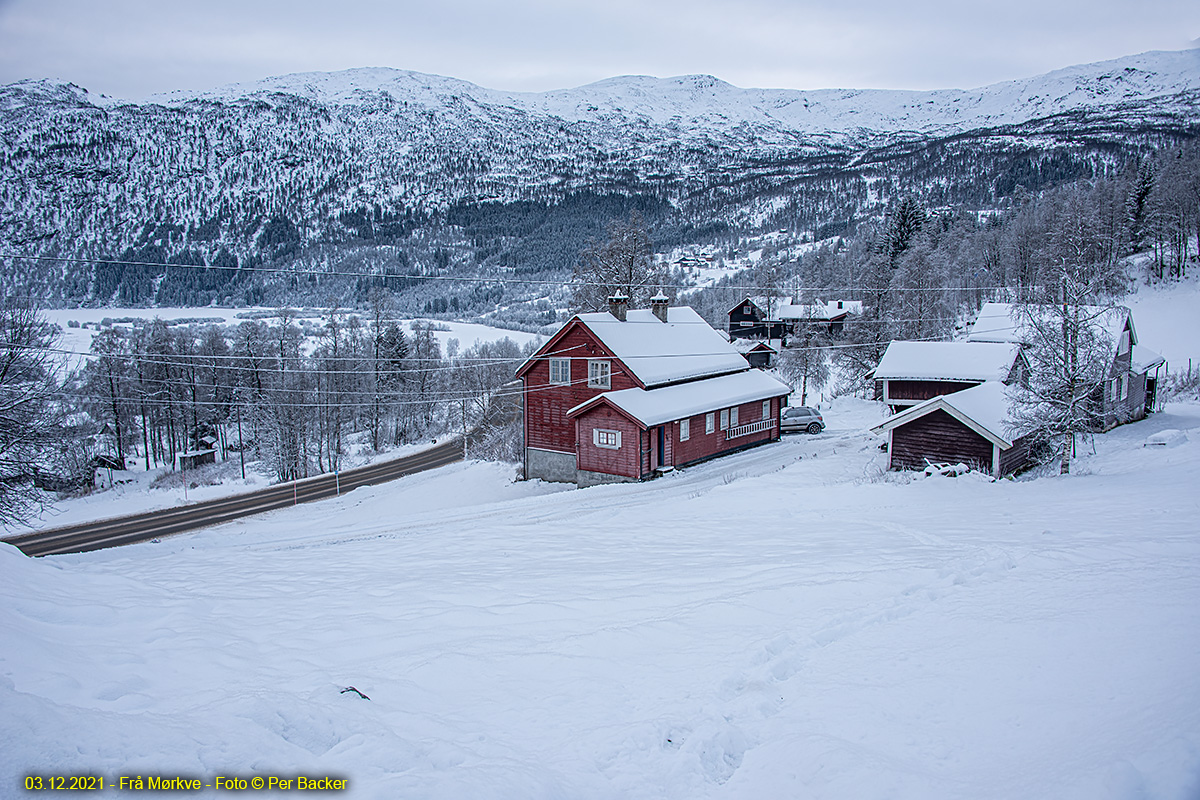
(912, 372)
(1131, 373)
(970, 427)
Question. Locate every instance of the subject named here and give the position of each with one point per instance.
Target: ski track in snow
(785, 622)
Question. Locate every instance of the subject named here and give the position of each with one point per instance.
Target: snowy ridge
(689, 101)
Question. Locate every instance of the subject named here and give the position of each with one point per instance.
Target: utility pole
(464, 427)
(241, 446)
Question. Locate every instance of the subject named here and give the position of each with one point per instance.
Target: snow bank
(784, 622)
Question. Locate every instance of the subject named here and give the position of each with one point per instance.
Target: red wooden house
(621, 395)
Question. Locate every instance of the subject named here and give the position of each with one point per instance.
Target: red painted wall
(640, 443)
(623, 461)
(546, 406)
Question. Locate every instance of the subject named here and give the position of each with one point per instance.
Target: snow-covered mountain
(421, 164)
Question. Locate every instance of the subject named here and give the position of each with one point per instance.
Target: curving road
(153, 524)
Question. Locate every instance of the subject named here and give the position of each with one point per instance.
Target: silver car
(802, 418)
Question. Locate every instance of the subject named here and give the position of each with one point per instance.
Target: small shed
(970, 426)
(197, 458)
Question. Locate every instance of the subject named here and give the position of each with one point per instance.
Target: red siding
(701, 445)
(546, 406)
(623, 461)
(938, 437)
(923, 390)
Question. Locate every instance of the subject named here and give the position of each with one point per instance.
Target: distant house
(758, 352)
(757, 318)
(1131, 376)
(827, 317)
(624, 394)
(969, 426)
(779, 317)
(912, 372)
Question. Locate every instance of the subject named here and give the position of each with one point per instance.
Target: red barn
(969, 426)
(621, 395)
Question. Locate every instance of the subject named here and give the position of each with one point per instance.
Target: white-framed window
(685, 430)
(724, 419)
(1124, 386)
(560, 370)
(610, 440)
(1124, 346)
(733, 417)
(710, 423)
(766, 409)
(599, 374)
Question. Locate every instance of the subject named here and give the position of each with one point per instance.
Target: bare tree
(29, 423)
(622, 263)
(805, 364)
(1065, 329)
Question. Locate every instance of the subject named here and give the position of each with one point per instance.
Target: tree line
(291, 396)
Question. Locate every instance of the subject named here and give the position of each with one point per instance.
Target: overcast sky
(134, 48)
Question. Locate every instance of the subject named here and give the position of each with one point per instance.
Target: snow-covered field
(785, 622)
(79, 340)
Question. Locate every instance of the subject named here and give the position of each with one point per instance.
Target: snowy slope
(786, 622)
(370, 159)
(696, 102)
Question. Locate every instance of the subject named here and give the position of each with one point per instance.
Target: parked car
(802, 418)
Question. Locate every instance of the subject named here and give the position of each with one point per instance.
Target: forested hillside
(320, 187)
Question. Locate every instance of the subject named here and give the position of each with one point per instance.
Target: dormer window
(599, 374)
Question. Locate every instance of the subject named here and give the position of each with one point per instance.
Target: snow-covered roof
(746, 345)
(984, 409)
(966, 361)
(656, 406)
(682, 348)
(1143, 359)
(821, 310)
(1000, 322)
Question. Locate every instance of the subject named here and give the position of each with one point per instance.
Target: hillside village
(655, 439)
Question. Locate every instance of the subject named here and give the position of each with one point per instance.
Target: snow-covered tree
(28, 406)
(1064, 327)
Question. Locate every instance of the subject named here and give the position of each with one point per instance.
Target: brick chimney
(659, 304)
(618, 304)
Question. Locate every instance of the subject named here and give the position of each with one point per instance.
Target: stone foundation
(548, 465)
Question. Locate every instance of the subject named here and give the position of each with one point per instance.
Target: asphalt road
(154, 524)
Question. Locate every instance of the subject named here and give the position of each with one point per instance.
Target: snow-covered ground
(786, 622)
(79, 339)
